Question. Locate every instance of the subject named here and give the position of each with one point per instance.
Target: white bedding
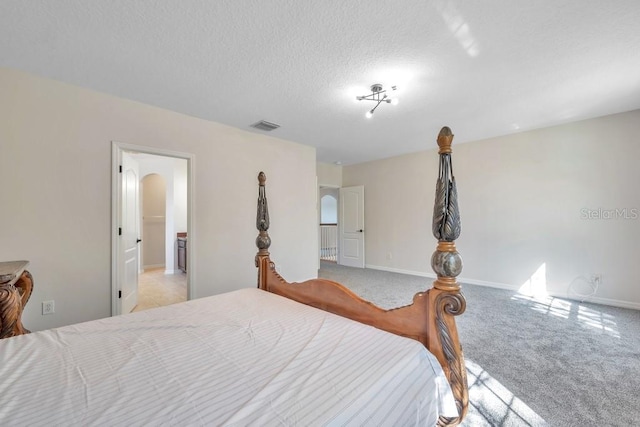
(243, 358)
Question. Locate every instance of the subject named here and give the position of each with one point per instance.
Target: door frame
(116, 212)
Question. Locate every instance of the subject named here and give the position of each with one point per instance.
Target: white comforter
(243, 358)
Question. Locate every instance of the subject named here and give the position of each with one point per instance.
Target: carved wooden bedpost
(263, 241)
(448, 301)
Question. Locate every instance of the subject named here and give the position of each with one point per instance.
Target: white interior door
(130, 233)
(352, 226)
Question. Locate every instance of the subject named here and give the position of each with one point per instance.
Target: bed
(295, 354)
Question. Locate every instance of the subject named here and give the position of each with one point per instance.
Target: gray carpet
(531, 362)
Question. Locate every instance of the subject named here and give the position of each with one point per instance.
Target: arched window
(328, 210)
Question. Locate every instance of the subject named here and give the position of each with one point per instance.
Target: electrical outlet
(48, 307)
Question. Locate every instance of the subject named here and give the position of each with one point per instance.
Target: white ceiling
(484, 68)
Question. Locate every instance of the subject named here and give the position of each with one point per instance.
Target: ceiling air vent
(265, 125)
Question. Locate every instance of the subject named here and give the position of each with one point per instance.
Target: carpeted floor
(531, 361)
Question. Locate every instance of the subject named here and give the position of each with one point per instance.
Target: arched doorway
(329, 225)
(160, 282)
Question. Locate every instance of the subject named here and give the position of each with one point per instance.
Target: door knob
(360, 231)
(138, 240)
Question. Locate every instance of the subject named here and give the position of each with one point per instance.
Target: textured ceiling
(484, 68)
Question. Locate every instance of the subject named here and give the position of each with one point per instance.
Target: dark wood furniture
(16, 285)
(182, 251)
(430, 319)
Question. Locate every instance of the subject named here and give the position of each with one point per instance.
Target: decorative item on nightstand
(16, 285)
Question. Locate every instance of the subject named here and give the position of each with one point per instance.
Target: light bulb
(369, 114)
(394, 101)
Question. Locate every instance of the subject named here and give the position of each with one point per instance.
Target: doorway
(329, 224)
(173, 172)
(341, 234)
(163, 189)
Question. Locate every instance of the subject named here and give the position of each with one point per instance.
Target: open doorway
(163, 202)
(329, 224)
(162, 206)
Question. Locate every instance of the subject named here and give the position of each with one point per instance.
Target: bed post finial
(447, 264)
(445, 138)
(263, 241)
(446, 261)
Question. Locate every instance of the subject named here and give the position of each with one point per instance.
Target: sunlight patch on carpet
(533, 293)
(495, 405)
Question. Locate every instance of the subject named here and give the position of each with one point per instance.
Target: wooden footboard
(429, 319)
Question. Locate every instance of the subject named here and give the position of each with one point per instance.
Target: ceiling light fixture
(377, 95)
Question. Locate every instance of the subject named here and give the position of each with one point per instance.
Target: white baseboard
(398, 270)
(611, 302)
(592, 299)
(167, 272)
(152, 266)
(433, 276)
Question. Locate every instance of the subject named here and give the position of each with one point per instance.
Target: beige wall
(329, 175)
(180, 187)
(55, 181)
(523, 200)
(153, 190)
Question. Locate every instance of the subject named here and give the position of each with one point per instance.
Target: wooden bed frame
(429, 319)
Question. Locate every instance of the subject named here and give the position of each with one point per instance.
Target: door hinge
(119, 294)
(120, 169)
(119, 231)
